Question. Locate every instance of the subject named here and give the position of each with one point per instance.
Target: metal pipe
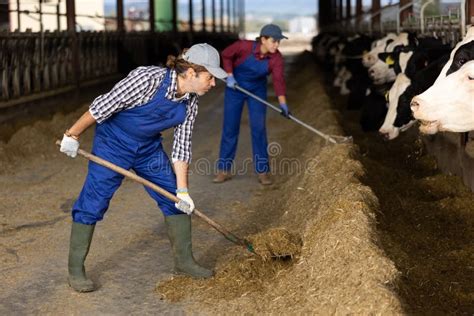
(242, 16)
(174, 6)
(203, 4)
(348, 9)
(222, 15)
(340, 10)
(375, 18)
(400, 9)
(40, 11)
(463, 18)
(191, 19)
(151, 4)
(18, 14)
(120, 25)
(234, 15)
(58, 15)
(213, 16)
(71, 29)
(422, 15)
(228, 16)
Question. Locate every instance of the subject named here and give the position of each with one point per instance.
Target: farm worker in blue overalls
(130, 119)
(248, 63)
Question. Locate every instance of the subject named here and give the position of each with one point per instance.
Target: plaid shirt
(137, 89)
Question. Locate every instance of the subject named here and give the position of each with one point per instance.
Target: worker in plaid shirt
(130, 119)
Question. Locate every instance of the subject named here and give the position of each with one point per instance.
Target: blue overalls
(131, 139)
(252, 76)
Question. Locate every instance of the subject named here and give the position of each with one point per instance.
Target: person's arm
(229, 55)
(235, 54)
(81, 124)
(181, 155)
(277, 69)
(70, 141)
(181, 170)
(126, 93)
(182, 142)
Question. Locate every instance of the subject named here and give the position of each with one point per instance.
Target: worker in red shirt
(248, 63)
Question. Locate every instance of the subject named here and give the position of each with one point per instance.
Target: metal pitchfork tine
(334, 139)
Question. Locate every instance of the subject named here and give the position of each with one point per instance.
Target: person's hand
(284, 110)
(230, 81)
(69, 146)
(186, 204)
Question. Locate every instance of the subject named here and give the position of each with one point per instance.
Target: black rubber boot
(179, 232)
(81, 237)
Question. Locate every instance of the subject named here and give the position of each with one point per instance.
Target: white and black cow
(374, 105)
(374, 108)
(379, 46)
(358, 81)
(382, 71)
(416, 68)
(448, 105)
(325, 48)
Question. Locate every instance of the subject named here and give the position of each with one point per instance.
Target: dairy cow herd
(398, 80)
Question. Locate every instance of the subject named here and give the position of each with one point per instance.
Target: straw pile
(36, 141)
(340, 267)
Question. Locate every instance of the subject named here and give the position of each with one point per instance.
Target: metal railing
(34, 65)
(450, 28)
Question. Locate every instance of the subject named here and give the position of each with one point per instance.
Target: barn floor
(383, 231)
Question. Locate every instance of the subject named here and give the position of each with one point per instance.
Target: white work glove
(186, 205)
(69, 146)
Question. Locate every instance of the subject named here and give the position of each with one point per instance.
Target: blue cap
(272, 30)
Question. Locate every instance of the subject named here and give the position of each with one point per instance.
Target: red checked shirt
(235, 54)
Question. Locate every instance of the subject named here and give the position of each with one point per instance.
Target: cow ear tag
(389, 60)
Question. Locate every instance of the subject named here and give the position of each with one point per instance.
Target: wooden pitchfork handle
(227, 234)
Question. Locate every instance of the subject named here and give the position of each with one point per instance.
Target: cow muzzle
(426, 126)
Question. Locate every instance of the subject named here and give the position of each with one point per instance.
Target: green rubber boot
(81, 237)
(179, 232)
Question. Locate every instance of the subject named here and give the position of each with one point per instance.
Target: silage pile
(37, 141)
(339, 268)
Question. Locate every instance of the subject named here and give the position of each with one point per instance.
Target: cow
(417, 69)
(374, 108)
(379, 46)
(382, 70)
(358, 81)
(448, 105)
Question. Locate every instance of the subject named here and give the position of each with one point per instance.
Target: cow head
(386, 68)
(370, 58)
(462, 55)
(381, 73)
(448, 105)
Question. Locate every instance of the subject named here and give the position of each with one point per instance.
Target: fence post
(422, 15)
(71, 29)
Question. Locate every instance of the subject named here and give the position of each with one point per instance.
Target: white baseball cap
(207, 56)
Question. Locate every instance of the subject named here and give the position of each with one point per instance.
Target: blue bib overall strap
(131, 139)
(252, 76)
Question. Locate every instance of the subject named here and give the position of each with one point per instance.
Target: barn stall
(375, 226)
